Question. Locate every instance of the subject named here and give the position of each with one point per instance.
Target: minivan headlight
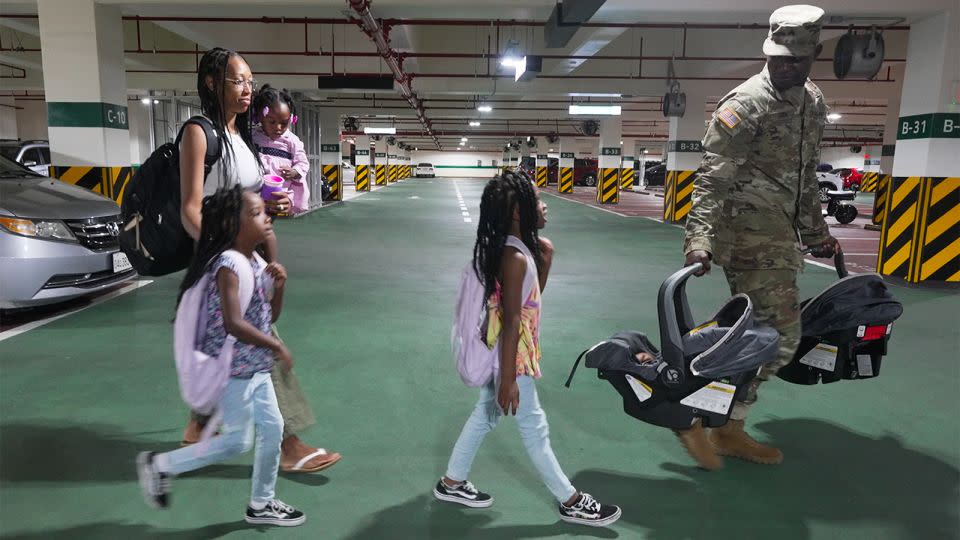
(38, 228)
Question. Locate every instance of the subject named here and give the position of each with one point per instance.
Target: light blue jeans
(248, 405)
(534, 430)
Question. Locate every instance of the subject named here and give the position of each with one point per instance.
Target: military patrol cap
(794, 31)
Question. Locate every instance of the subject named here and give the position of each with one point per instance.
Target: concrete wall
(138, 118)
(32, 119)
(8, 119)
(459, 164)
(841, 157)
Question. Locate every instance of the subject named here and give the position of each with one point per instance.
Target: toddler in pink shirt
(281, 152)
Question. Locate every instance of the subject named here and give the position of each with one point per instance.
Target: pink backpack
(202, 377)
(476, 362)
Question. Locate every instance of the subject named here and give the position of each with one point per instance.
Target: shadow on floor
(100, 531)
(94, 453)
(425, 517)
(831, 475)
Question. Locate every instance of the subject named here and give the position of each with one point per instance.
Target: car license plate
(121, 263)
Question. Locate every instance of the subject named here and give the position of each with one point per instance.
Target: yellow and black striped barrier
(920, 238)
(391, 173)
(869, 182)
(880, 200)
(381, 170)
(565, 184)
(541, 177)
(608, 189)
(331, 173)
(626, 179)
(677, 195)
(108, 181)
(362, 178)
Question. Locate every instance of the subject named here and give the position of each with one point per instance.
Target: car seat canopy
(851, 302)
(731, 342)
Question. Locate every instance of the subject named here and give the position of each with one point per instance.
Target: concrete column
(890, 138)
(627, 173)
(86, 91)
(380, 161)
(641, 158)
(568, 152)
(684, 152)
(540, 162)
(609, 150)
(363, 172)
(330, 153)
(920, 236)
(392, 162)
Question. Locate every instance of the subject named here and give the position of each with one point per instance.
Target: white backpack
(203, 378)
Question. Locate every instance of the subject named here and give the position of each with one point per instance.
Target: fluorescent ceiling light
(156, 101)
(591, 94)
(474, 124)
(621, 142)
(609, 110)
(511, 55)
(484, 108)
(380, 130)
(463, 139)
(834, 116)
(145, 101)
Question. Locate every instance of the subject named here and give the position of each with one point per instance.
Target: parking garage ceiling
(450, 51)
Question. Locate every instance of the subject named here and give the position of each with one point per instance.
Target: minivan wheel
(823, 193)
(590, 181)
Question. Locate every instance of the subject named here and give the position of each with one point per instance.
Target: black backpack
(153, 237)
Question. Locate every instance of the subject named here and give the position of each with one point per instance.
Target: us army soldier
(755, 203)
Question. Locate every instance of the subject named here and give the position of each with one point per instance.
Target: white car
(828, 181)
(34, 155)
(425, 170)
(348, 173)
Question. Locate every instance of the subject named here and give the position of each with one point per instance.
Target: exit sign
(929, 126)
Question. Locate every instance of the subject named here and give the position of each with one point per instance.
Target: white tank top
(244, 168)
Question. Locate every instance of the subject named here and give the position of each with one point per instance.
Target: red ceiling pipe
(372, 28)
(462, 22)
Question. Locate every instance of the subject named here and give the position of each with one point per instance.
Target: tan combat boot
(696, 443)
(731, 440)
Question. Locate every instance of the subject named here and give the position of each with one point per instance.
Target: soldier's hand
(698, 256)
(827, 249)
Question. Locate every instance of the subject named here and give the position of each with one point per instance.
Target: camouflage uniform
(755, 202)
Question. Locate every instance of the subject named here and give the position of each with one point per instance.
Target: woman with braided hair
(513, 262)
(226, 86)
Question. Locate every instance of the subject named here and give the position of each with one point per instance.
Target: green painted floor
(367, 316)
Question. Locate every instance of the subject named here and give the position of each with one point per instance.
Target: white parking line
(463, 205)
(99, 300)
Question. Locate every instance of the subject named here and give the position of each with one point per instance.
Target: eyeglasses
(240, 83)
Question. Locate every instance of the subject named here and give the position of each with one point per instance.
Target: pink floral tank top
(528, 348)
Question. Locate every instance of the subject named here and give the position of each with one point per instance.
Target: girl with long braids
(513, 263)
(234, 219)
(226, 86)
(281, 151)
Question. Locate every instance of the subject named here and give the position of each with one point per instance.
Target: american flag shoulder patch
(729, 117)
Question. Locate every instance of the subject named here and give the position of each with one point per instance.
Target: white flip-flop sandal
(299, 466)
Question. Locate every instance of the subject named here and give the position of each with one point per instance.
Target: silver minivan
(57, 241)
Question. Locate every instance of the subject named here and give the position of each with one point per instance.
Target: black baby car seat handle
(674, 312)
(575, 365)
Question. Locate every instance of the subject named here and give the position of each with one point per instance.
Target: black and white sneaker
(463, 493)
(154, 484)
(587, 511)
(275, 513)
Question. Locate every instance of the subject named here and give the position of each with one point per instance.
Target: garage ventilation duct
(566, 19)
